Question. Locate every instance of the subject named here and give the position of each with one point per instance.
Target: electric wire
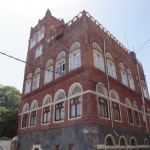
(28, 63)
(142, 46)
(82, 78)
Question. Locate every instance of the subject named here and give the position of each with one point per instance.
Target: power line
(142, 46)
(40, 67)
(28, 63)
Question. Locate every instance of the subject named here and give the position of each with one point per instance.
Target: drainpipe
(134, 59)
(108, 86)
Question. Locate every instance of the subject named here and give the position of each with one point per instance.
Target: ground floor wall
(83, 137)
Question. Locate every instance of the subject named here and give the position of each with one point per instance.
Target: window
(75, 107)
(38, 51)
(25, 115)
(148, 112)
(129, 111)
(71, 147)
(40, 35)
(123, 74)
(136, 114)
(49, 71)
(33, 41)
(57, 147)
(59, 106)
(74, 56)
(110, 66)
(33, 113)
(122, 142)
(130, 78)
(144, 87)
(102, 101)
(103, 107)
(115, 105)
(36, 79)
(145, 141)
(98, 57)
(46, 109)
(75, 102)
(28, 84)
(37, 37)
(133, 142)
(116, 111)
(109, 141)
(60, 65)
(33, 118)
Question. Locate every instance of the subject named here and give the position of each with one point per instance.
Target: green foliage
(9, 108)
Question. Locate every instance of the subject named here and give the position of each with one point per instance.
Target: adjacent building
(83, 90)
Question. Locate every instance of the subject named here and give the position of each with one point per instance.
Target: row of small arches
(75, 89)
(110, 141)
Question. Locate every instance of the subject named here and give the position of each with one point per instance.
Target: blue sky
(120, 17)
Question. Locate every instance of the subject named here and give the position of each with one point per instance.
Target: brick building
(83, 90)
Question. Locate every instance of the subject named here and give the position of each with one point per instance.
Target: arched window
(123, 74)
(123, 143)
(75, 103)
(144, 87)
(109, 142)
(25, 112)
(133, 142)
(115, 105)
(110, 65)
(60, 64)
(49, 71)
(74, 56)
(102, 100)
(129, 110)
(136, 114)
(46, 109)
(130, 78)
(59, 105)
(98, 57)
(145, 141)
(28, 84)
(33, 113)
(148, 112)
(36, 79)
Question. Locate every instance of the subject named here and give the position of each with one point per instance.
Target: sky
(127, 20)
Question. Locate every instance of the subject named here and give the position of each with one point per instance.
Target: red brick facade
(60, 37)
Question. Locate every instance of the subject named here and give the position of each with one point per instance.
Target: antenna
(126, 40)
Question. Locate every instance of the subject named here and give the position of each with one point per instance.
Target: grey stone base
(83, 137)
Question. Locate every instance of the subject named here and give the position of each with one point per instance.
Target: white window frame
(111, 68)
(72, 96)
(36, 82)
(46, 99)
(60, 68)
(48, 75)
(57, 101)
(98, 60)
(74, 59)
(38, 51)
(28, 86)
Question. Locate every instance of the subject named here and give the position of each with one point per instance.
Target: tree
(9, 109)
